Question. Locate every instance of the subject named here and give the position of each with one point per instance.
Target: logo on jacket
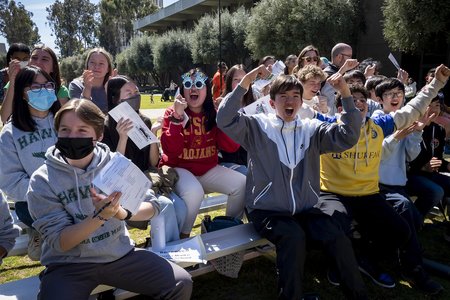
(434, 143)
(39, 154)
(197, 141)
(374, 133)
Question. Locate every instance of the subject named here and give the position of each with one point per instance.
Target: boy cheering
(283, 178)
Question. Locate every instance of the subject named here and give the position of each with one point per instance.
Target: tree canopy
(283, 27)
(205, 42)
(172, 53)
(116, 22)
(73, 66)
(16, 24)
(411, 26)
(74, 25)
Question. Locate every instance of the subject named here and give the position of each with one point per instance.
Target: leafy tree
(412, 26)
(116, 24)
(283, 27)
(3, 60)
(172, 54)
(72, 67)
(74, 24)
(122, 60)
(205, 46)
(139, 61)
(136, 61)
(16, 24)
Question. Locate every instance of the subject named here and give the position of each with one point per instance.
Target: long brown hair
(302, 54)
(248, 97)
(55, 74)
(108, 59)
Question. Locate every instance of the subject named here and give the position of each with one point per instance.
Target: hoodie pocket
(262, 193)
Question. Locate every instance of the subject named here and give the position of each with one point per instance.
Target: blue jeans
(174, 211)
(430, 189)
(23, 213)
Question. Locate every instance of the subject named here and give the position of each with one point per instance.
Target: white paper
(184, 251)
(140, 134)
(262, 105)
(260, 84)
(121, 175)
(277, 69)
(394, 61)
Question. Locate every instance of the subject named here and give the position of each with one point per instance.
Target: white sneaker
(34, 245)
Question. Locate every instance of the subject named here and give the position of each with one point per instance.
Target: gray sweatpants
(139, 271)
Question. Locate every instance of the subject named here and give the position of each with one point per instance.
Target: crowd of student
(346, 152)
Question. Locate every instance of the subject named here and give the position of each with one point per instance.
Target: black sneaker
(422, 281)
(447, 232)
(382, 279)
(333, 277)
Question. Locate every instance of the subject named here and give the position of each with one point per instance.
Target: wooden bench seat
(217, 244)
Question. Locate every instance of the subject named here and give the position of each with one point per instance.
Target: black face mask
(75, 148)
(134, 101)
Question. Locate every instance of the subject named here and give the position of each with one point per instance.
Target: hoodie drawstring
(78, 192)
(432, 143)
(295, 142)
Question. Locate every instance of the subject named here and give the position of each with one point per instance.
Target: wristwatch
(129, 214)
(174, 119)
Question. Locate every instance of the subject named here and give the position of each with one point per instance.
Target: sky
(37, 7)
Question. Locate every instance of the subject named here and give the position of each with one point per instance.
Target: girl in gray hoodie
(85, 242)
(24, 140)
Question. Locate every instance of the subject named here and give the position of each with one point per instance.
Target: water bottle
(158, 233)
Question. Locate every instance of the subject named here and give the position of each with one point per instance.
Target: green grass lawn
(145, 102)
(257, 278)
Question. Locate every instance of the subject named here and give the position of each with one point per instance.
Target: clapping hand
(88, 78)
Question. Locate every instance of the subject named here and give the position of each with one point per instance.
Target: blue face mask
(41, 100)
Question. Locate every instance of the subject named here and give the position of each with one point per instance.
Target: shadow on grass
(257, 278)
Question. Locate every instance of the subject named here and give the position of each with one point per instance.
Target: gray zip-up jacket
(283, 156)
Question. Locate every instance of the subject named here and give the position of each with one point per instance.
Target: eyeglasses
(311, 58)
(37, 87)
(199, 82)
(348, 55)
(391, 95)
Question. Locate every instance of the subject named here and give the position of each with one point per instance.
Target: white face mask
(23, 64)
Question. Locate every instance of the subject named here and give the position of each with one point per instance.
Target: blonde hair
(311, 71)
(87, 111)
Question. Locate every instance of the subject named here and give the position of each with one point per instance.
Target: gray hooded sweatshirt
(283, 164)
(8, 232)
(22, 153)
(59, 196)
